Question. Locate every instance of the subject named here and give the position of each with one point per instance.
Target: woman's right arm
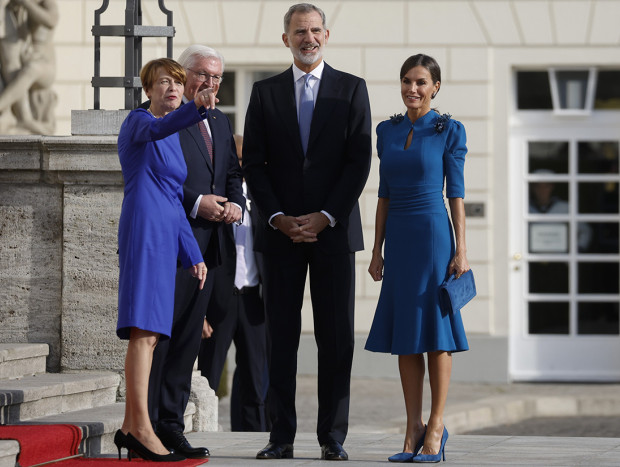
(376, 263)
(140, 127)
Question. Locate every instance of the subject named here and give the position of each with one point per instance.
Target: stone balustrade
(60, 201)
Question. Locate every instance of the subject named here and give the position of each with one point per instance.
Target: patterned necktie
(306, 107)
(205, 135)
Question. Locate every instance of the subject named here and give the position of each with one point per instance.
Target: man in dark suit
(306, 158)
(212, 197)
(236, 313)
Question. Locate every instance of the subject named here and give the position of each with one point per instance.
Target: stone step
(99, 424)
(18, 360)
(8, 453)
(33, 397)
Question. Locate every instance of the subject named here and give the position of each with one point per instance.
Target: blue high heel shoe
(434, 458)
(408, 456)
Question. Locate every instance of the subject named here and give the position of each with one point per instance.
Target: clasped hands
(216, 208)
(301, 229)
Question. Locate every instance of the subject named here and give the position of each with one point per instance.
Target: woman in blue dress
(418, 151)
(153, 234)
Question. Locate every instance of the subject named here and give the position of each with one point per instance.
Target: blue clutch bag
(454, 293)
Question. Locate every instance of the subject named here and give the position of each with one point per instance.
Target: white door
(564, 272)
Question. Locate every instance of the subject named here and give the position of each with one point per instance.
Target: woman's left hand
(199, 271)
(458, 265)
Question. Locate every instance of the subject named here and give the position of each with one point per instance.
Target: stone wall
(60, 200)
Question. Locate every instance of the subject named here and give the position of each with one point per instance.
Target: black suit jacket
(223, 178)
(330, 177)
(225, 274)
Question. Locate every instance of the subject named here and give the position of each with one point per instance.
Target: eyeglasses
(202, 77)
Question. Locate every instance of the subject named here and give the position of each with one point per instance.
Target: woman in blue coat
(153, 235)
(418, 151)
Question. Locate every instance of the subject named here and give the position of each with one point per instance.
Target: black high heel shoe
(137, 447)
(120, 439)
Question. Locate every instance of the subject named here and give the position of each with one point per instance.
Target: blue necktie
(306, 107)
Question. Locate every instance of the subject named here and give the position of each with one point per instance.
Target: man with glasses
(212, 197)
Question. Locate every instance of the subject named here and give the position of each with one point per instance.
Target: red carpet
(45, 443)
(42, 443)
(102, 462)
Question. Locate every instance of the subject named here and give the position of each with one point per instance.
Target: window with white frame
(568, 91)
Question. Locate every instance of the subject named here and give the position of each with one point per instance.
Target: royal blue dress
(419, 242)
(153, 231)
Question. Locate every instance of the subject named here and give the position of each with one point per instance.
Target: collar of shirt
(314, 83)
(317, 72)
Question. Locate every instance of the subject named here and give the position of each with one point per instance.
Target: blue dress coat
(153, 230)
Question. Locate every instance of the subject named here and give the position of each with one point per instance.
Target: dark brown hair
(422, 60)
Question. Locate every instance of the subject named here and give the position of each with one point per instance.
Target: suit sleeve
(384, 191)
(255, 157)
(357, 159)
(143, 128)
(189, 199)
(234, 177)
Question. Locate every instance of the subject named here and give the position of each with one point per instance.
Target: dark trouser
(243, 322)
(173, 359)
(332, 285)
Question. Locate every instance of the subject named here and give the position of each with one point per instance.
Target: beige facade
(479, 45)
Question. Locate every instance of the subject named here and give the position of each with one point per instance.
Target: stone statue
(27, 65)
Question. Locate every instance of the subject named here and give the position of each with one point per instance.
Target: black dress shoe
(176, 441)
(276, 451)
(333, 451)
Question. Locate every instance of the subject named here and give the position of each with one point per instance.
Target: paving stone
(239, 449)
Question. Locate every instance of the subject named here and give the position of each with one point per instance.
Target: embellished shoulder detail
(441, 122)
(396, 118)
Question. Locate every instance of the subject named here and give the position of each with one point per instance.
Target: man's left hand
(232, 213)
(207, 330)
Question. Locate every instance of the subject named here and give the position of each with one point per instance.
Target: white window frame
(590, 91)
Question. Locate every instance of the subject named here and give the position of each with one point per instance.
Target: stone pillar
(30, 247)
(60, 200)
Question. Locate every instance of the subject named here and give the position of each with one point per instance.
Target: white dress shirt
(246, 272)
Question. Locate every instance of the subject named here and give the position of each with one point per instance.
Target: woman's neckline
(420, 118)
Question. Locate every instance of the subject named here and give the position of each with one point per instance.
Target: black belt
(245, 290)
